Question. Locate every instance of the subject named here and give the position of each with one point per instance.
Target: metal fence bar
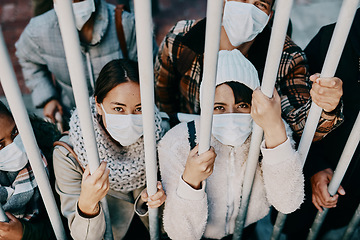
(353, 224)
(76, 68)
(207, 95)
(17, 106)
(336, 47)
(276, 46)
(144, 36)
(339, 173)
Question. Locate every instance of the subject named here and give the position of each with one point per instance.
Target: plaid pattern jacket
(179, 66)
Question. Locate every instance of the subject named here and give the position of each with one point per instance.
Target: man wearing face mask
(179, 66)
(42, 57)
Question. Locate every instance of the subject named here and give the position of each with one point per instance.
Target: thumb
(10, 216)
(341, 190)
(314, 77)
(144, 195)
(86, 172)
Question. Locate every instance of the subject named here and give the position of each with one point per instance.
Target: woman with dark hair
(199, 209)
(117, 120)
(19, 193)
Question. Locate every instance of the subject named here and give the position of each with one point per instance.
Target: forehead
(124, 92)
(224, 94)
(7, 124)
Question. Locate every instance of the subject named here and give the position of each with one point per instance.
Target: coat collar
(101, 22)
(195, 40)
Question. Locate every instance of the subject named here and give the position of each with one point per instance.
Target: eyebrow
(219, 103)
(117, 103)
(121, 104)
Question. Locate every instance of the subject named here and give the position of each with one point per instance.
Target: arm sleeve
(283, 177)
(36, 74)
(166, 79)
(294, 88)
(186, 209)
(68, 186)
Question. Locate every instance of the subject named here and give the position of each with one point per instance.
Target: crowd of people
(199, 195)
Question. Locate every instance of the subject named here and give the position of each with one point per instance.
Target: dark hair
(114, 73)
(241, 92)
(4, 110)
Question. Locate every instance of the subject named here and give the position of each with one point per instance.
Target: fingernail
(342, 191)
(317, 81)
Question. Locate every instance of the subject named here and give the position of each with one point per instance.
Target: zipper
(230, 189)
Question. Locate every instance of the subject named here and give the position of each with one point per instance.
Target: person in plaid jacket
(179, 70)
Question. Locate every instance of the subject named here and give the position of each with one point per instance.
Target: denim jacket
(41, 53)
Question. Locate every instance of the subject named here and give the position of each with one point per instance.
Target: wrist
(88, 210)
(196, 184)
(275, 136)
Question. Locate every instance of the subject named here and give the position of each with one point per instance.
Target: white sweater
(212, 210)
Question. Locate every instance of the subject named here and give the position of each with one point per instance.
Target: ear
(98, 107)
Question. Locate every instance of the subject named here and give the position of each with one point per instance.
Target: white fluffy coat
(211, 211)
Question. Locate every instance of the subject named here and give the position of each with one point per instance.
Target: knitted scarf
(126, 164)
(19, 193)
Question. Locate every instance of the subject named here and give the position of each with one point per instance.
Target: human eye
(262, 6)
(219, 108)
(2, 145)
(138, 110)
(118, 109)
(14, 133)
(244, 105)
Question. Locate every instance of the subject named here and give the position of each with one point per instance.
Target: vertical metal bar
(3, 217)
(339, 173)
(336, 47)
(17, 106)
(144, 36)
(207, 95)
(353, 224)
(276, 46)
(76, 68)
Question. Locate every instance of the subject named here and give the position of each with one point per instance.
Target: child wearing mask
(19, 194)
(117, 121)
(204, 191)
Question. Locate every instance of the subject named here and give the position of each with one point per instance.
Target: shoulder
(63, 159)
(40, 25)
(175, 136)
(178, 30)
(292, 49)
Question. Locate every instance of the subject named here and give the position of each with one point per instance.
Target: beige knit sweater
(212, 210)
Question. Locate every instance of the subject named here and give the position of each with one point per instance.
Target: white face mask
(243, 22)
(232, 128)
(13, 156)
(82, 12)
(126, 129)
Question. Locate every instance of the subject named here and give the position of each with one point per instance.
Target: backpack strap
(70, 149)
(120, 30)
(192, 134)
